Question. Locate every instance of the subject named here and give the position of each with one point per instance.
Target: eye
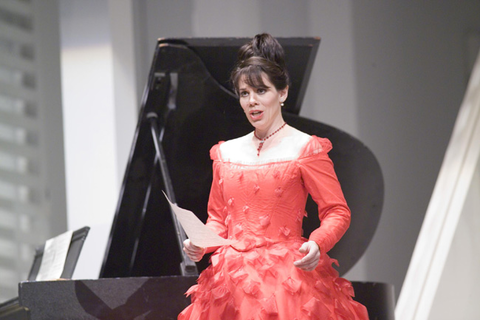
(261, 90)
(243, 93)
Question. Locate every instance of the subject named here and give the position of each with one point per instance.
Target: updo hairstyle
(262, 55)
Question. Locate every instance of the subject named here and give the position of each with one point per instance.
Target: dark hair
(263, 54)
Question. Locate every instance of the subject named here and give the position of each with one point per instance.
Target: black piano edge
(143, 298)
(12, 310)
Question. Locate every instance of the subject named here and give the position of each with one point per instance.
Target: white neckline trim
(242, 150)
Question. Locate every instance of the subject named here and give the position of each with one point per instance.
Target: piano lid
(219, 55)
(188, 91)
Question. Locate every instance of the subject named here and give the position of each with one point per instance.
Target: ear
(283, 94)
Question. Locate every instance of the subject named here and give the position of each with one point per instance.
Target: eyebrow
(259, 87)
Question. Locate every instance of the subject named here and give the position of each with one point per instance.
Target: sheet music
(197, 232)
(54, 257)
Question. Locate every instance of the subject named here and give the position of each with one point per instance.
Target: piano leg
(378, 298)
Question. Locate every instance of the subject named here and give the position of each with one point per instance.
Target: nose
(252, 101)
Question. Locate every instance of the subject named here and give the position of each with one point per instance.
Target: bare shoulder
(290, 145)
(234, 147)
(299, 135)
(298, 138)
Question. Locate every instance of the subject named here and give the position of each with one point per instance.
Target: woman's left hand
(312, 257)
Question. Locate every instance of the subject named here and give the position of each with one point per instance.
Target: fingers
(193, 252)
(304, 247)
(307, 263)
(310, 261)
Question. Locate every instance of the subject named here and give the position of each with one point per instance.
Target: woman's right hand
(193, 252)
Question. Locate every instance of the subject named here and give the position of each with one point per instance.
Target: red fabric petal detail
(264, 220)
(255, 259)
(345, 286)
(186, 313)
(214, 260)
(316, 309)
(300, 214)
(252, 288)
(237, 230)
(294, 175)
(252, 256)
(321, 287)
(205, 276)
(255, 189)
(291, 285)
(342, 312)
(270, 306)
(204, 307)
(192, 290)
(278, 192)
(334, 261)
(238, 276)
(228, 219)
(230, 311)
(219, 277)
(360, 310)
(220, 294)
(234, 263)
(268, 269)
(284, 231)
(245, 245)
(278, 253)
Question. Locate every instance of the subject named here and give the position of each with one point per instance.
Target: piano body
(188, 107)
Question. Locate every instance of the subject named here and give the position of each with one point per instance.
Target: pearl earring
(282, 104)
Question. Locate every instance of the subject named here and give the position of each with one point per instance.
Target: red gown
(263, 206)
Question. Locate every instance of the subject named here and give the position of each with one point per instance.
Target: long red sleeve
(321, 182)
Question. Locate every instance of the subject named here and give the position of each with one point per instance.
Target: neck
(262, 140)
(264, 133)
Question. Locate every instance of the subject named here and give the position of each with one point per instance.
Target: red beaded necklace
(262, 141)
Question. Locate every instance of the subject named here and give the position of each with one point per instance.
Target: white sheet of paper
(54, 257)
(197, 232)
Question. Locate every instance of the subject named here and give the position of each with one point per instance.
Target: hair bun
(265, 46)
(261, 55)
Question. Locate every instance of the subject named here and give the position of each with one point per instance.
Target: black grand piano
(187, 107)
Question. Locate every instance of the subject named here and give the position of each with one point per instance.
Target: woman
(260, 186)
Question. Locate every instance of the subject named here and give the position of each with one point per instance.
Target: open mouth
(256, 114)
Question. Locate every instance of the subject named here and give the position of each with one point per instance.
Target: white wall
(411, 78)
(99, 119)
(457, 295)
(448, 203)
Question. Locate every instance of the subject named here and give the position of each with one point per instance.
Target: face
(262, 105)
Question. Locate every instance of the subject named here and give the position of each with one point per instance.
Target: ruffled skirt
(263, 283)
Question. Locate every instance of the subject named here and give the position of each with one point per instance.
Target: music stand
(11, 309)
(76, 244)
